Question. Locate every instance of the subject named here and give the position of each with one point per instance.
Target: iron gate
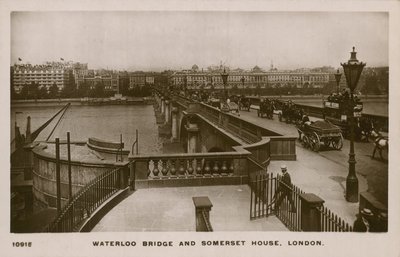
(265, 189)
(262, 195)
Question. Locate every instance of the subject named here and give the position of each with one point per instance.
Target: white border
(335, 244)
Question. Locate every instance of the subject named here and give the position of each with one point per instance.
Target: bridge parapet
(318, 111)
(194, 169)
(197, 169)
(282, 147)
(245, 130)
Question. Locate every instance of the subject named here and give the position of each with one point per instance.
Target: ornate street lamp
(338, 75)
(224, 76)
(352, 71)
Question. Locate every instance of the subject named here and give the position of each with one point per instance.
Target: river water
(103, 122)
(108, 122)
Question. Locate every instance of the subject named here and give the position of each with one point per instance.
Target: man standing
(284, 190)
(362, 223)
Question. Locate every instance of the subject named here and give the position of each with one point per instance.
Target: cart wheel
(305, 141)
(315, 142)
(337, 142)
(327, 141)
(298, 131)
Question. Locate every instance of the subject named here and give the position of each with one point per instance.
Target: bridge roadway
(323, 173)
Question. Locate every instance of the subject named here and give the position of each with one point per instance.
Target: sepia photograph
(198, 121)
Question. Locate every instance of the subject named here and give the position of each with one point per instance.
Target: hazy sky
(176, 40)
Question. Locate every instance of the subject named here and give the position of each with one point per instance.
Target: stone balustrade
(195, 169)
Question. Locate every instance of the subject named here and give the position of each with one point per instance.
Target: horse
(381, 143)
(366, 127)
(270, 110)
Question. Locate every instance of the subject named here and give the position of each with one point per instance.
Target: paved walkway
(324, 173)
(172, 209)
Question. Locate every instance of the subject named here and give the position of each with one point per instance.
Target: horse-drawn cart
(313, 135)
(244, 104)
(266, 108)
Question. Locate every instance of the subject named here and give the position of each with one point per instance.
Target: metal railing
(261, 195)
(289, 210)
(206, 221)
(330, 222)
(87, 200)
(270, 195)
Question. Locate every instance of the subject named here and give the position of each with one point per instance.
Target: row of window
(36, 72)
(219, 86)
(252, 78)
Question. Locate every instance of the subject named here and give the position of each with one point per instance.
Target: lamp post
(352, 71)
(338, 75)
(185, 85)
(224, 76)
(242, 80)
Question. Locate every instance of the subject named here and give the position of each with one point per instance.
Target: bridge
(223, 154)
(220, 147)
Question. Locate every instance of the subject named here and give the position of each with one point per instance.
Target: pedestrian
(284, 190)
(362, 223)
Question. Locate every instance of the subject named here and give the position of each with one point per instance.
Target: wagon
(214, 102)
(266, 108)
(244, 104)
(319, 133)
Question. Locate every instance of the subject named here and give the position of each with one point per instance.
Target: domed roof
(195, 67)
(257, 69)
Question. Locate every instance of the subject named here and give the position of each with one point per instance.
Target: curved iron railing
(88, 199)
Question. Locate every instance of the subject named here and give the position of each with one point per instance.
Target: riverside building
(44, 75)
(211, 79)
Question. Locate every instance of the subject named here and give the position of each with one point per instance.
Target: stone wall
(44, 176)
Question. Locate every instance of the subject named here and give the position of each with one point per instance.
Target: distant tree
(33, 90)
(42, 94)
(53, 91)
(24, 92)
(371, 85)
(258, 90)
(69, 90)
(91, 92)
(330, 87)
(13, 94)
(235, 89)
(83, 90)
(384, 81)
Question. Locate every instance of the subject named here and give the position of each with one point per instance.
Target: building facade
(194, 80)
(44, 75)
(140, 79)
(108, 82)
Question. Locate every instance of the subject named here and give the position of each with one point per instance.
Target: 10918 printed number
(22, 244)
